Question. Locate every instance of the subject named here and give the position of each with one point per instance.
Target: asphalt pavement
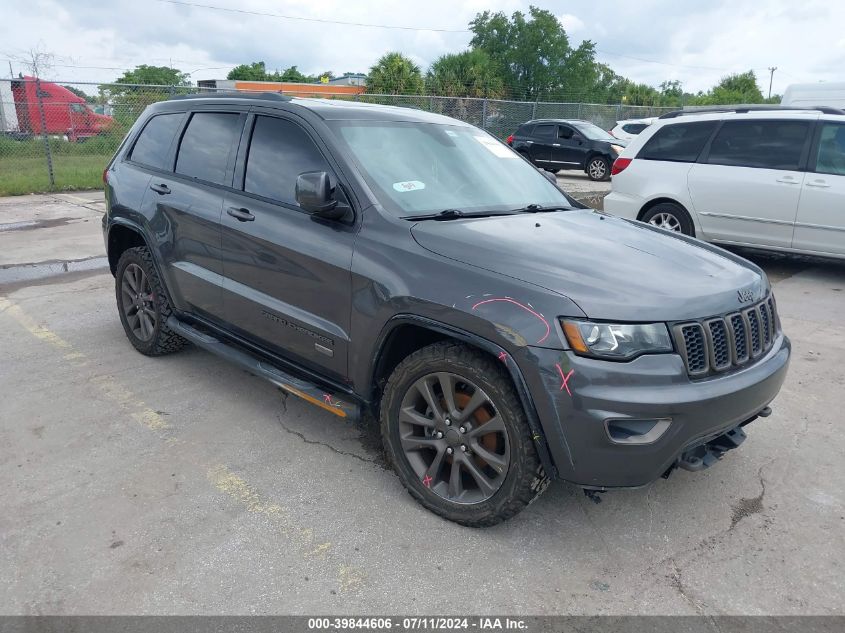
(184, 485)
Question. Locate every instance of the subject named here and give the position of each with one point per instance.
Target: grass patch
(28, 174)
(23, 166)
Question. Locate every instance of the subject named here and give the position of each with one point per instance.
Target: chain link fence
(57, 136)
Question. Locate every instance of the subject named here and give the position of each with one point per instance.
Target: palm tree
(395, 74)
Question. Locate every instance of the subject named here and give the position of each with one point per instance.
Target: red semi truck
(65, 113)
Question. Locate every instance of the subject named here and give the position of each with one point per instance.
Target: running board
(300, 388)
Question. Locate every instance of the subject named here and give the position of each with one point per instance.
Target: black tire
(670, 216)
(159, 339)
(598, 168)
(523, 478)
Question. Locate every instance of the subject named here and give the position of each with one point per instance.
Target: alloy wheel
(138, 302)
(598, 169)
(666, 221)
(454, 438)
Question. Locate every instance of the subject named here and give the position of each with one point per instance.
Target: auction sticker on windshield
(495, 147)
(409, 185)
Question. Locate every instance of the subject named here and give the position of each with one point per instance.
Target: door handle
(240, 214)
(555, 144)
(818, 183)
(160, 188)
(788, 181)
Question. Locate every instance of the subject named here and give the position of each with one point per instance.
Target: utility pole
(772, 70)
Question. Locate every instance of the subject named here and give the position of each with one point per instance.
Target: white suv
(762, 177)
(630, 128)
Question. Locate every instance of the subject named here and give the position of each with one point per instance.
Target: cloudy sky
(648, 40)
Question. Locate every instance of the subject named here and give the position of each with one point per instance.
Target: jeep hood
(612, 268)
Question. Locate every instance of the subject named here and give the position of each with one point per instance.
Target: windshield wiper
(453, 214)
(538, 208)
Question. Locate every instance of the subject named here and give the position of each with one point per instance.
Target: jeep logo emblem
(745, 295)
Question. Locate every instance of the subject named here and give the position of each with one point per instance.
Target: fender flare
(137, 228)
(488, 346)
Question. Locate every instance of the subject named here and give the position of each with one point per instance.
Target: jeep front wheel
(457, 436)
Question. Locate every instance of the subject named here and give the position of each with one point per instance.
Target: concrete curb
(15, 273)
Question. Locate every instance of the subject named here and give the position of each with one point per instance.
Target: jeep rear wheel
(458, 437)
(143, 305)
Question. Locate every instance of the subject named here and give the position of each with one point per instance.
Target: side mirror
(315, 195)
(550, 177)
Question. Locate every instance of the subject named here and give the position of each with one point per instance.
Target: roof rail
(234, 94)
(749, 108)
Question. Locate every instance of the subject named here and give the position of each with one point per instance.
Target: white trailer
(818, 94)
(9, 123)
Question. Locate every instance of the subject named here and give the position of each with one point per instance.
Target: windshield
(422, 168)
(594, 132)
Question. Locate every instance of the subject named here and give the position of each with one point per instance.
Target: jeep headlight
(617, 148)
(619, 341)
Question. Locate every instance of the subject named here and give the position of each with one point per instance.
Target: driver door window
(280, 150)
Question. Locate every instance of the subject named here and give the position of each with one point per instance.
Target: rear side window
(153, 144)
(634, 128)
(831, 156)
(524, 130)
(204, 150)
(678, 142)
(761, 144)
(565, 132)
(279, 151)
(545, 130)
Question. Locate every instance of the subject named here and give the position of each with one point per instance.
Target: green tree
(149, 84)
(640, 94)
(534, 54)
(731, 90)
(292, 74)
(394, 73)
(154, 75)
(468, 74)
(256, 71)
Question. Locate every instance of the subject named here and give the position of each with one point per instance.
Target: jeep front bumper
(624, 424)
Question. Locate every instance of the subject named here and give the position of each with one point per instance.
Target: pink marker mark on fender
(503, 356)
(427, 481)
(564, 379)
(524, 307)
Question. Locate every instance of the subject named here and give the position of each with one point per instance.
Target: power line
(323, 21)
(655, 61)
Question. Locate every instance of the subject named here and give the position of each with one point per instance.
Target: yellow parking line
(224, 480)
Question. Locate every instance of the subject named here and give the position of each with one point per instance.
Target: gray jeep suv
(385, 260)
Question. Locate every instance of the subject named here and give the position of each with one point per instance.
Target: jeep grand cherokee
(391, 261)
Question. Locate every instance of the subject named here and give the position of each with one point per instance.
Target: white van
(772, 178)
(818, 94)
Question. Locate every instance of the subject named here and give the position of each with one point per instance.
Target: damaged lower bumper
(623, 425)
(707, 453)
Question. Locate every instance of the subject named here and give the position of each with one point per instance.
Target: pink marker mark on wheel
(427, 481)
(503, 356)
(328, 399)
(564, 379)
(524, 307)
